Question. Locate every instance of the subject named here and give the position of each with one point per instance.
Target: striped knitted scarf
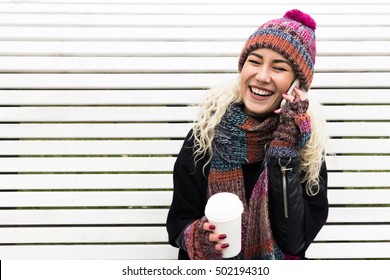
(241, 139)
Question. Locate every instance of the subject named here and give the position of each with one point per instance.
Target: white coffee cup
(224, 210)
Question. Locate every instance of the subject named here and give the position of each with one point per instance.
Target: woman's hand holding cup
(215, 237)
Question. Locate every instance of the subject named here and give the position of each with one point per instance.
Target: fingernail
(222, 236)
(224, 245)
(212, 227)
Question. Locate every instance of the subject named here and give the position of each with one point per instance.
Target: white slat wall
(96, 98)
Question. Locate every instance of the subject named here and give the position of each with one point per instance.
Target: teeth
(260, 92)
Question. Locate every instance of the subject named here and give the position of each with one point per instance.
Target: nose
(263, 75)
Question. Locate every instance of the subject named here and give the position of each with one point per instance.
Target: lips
(260, 91)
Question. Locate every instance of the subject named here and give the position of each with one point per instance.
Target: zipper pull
(284, 169)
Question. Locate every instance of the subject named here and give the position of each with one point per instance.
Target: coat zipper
(284, 169)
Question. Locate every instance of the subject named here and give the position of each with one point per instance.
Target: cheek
(278, 100)
(274, 103)
(278, 97)
(243, 77)
(248, 71)
(284, 84)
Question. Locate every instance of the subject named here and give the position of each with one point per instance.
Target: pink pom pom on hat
(301, 17)
(293, 36)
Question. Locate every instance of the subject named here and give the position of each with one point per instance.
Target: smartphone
(290, 91)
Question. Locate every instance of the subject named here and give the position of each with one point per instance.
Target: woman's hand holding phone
(294, 128)
(294, 93)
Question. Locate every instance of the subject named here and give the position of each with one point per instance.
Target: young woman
(270, 156)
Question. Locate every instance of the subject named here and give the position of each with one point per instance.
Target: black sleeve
(189, 191)
(296, 218)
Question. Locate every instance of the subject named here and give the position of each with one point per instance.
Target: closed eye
(280, 69)
(253, 61)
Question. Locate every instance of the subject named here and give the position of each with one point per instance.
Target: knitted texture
(198, 245)
(293, 37)
(241, 139)
(293, 132)
(304, 125)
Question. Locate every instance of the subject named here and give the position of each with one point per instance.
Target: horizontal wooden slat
(161, 130)
(189, 9)
(81, 199)
(361, 33)
(173, 64)
(118, 64)
(84, 217)
(83, 235)
(86, 164)
(160, 147)
(122, 20)
(153, 113)
(94, 252)
(351, 64)
(351, 48)
(93, 114)
(159, 234)
(164, 48)
(374, 163)
(339, 197)
(104, 97)
(119, 130)
(156, 164)
(98, 147)
(116, 81)
(359, 215)
(358, 129)
(85, 181)
(174, 81)
(359, 146)
(155, 198)
(357, 112)
(354, 233)
(358, 179)
(158, 216)
(170, 97)
(90, 252)
(156, 181)
(316, 250)
(349, 250)
(350, 96)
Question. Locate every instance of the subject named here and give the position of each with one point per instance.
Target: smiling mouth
(260, 92)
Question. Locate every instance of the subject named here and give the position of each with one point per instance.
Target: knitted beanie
(293, 37)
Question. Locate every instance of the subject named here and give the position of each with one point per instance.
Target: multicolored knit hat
(293, 37)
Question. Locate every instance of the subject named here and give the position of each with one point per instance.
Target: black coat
(306, 214)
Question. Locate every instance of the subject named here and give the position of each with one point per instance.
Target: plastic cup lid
(223, 207)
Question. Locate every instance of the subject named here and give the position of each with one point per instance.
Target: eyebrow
(274, 61)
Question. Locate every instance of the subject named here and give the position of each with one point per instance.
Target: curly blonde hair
(218, 100)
